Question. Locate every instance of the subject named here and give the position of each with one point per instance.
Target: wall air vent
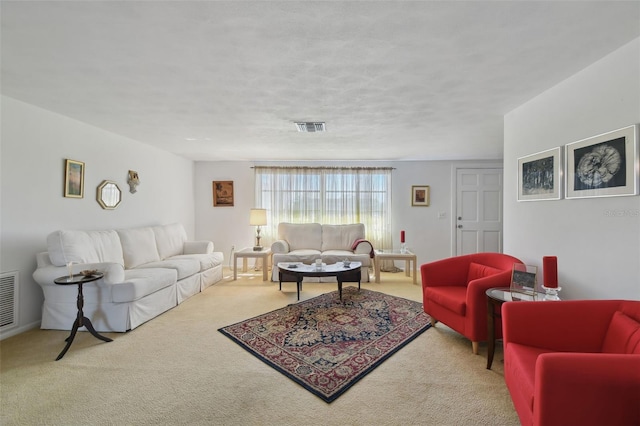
(8, 300)
(311, 127)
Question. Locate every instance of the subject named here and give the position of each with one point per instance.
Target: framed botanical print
(603, 166)
(420, 195)
(73, 179)
(223, 193)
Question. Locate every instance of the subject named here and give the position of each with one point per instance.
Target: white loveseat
(147, 271)
(306, 242)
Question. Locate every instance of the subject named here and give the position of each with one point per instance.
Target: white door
(479, 211)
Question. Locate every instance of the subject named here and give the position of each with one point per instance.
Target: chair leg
(433, 321)
(474, 346)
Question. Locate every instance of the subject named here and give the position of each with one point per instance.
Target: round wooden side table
(81, 320)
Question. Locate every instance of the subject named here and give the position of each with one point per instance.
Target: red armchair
(573, 362)
(454, 291)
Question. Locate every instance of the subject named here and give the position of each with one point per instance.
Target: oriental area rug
(326, 345)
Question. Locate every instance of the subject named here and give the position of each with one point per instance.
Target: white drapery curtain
(326, 195)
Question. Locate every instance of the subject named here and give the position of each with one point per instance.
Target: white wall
(427, 235)
(598, 253)
(35, 143)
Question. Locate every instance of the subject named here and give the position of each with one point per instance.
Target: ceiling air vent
(311, 127)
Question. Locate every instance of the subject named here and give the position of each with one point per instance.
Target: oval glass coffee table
(296, 271)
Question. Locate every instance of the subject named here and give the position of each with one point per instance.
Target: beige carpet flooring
(178, 369)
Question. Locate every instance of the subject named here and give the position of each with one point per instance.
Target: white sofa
(147, 271)
(306, 242)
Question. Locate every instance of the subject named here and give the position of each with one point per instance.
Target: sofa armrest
(280, 246)
(113, 272)
(198, 247)
(586, 388)
(477, 300)
(363, 247)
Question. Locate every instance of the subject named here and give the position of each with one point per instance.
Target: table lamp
(258, 217)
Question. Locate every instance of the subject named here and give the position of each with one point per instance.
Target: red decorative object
(402, 236)
(550, 271)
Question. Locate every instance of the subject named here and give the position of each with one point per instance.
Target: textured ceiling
(214, 80)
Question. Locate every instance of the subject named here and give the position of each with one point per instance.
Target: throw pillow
(621, 329)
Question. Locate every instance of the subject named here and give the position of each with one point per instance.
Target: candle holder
(403, 248)
(551, 293)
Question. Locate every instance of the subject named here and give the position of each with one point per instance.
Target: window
(327, 195)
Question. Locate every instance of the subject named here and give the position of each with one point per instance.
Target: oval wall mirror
(109, 195)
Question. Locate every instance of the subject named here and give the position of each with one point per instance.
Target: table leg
(69, 339)
(415, 270)
(492, 332)
(407, 266)
(265, 268)
(244, 264)
(235, 266)
(376, 263)
(89, 326)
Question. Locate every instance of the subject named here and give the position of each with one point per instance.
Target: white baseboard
(19, 330)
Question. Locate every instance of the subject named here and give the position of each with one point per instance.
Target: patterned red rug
(327, 345)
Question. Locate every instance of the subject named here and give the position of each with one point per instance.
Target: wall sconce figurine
(133, 181)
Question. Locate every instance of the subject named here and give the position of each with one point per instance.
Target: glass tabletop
(505, 294)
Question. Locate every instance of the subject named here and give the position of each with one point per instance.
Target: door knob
(459, 226)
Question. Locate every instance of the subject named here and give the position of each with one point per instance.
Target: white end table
(245, 253)
(405, 255)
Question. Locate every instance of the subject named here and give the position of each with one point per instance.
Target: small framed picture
(73, 179)
(223, 193)
(420, 195)
(539, 176)
(603, 165)
(523, 280)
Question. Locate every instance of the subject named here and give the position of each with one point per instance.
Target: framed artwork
(603, 165)
(73, 179)
(539, 176)
(420, 195)
(523, 281)
(223, 193)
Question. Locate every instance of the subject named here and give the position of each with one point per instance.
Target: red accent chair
(574, 362)
(454, 291)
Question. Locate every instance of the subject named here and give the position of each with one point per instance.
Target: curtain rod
(322, 168)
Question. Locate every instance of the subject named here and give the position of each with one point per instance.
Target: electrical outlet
(233, 248)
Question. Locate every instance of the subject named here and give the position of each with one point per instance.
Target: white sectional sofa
(306, 242)
(147, 271)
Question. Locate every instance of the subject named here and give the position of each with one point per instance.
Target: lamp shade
(258, 217)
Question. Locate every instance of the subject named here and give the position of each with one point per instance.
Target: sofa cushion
(341, 237)
(142, 282)
(451, 297)
(170, 239)
(207, 261)
(301, 236)
(618, 339)
(334, 256)
(138, 246)
(185, 267)
(84, 247)
(304, 256)
(477, 270)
